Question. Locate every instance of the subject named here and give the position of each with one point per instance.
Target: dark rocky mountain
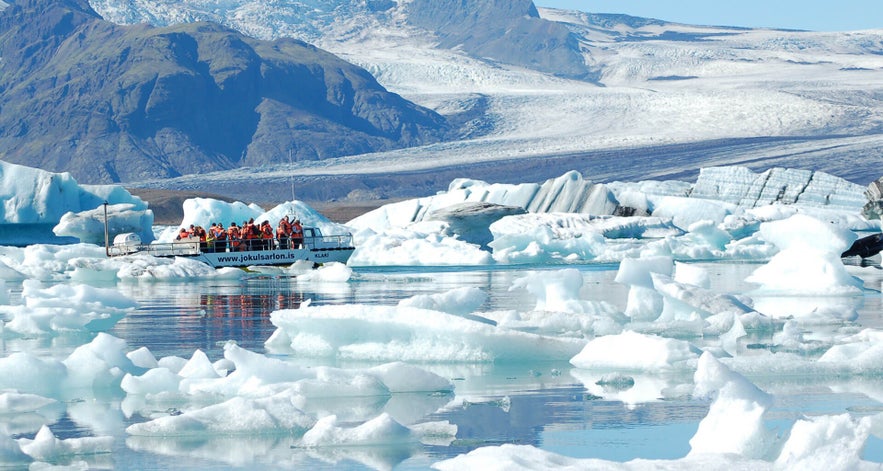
(113, 103)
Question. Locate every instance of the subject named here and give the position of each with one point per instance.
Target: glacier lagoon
(548, 404)
(720, 328)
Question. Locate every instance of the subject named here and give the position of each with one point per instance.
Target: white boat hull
(273, 257)
(315, 248)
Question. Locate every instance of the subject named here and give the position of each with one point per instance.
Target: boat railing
(186, 248)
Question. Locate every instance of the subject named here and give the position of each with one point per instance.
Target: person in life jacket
(210, 238)
(266, 235)
(233, 235)
(297, 234)
(283, 233)
(200, 234)
(246, 234)
(220, 236)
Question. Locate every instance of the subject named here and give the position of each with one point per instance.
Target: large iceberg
(570, 219)
(207, 211)
(46, 207)
(744, 188)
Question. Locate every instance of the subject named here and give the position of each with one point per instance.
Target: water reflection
(550, 405)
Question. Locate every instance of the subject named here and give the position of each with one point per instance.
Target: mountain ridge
(116, 103)
(650, 98)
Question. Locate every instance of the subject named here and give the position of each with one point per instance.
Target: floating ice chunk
(644, 195)
(809, 261)
(521, 457)
(199, 367)
(333, 272)
(470, 221)
(458, 301)
(710, 234)
(253, 374)
(631, 351)
(827, 442)
(236, 416)
(860, 353)
(382, 430)
(12, 402)
(46, 447)
(11, 455)
(34, 200)
(27, 373)
(97, 366)
(336, 382)
(401, 377)
(818, 310)
(88, 226)
(65, 307)
(734, 423)
(567, 193)
(419, 244)
(630, 389)
(556, 291)
(155, 381)
(644, 303)
(147, 268)
(206, 211)
(557, 237)
(636, 271)
(807, 233)
(10, 274)
(685, 212)
(698, 299)
(793, 187)
(143, 358)
(690, 274)
(805, 272)
(389, 333)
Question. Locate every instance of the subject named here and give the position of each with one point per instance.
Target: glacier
(666, 99)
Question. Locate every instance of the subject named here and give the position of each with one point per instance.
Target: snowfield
(666, 98)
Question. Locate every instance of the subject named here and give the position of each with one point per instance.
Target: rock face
(741, 186)
(115, 103)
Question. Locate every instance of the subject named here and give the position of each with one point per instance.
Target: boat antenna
(291, 173)
(106, 232)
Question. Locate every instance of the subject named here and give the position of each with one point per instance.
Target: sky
(815, 15)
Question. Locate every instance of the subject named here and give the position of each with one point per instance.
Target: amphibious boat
(314, 247)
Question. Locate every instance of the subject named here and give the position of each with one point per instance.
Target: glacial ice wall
(569, 193)
(726, 189)
(747, 189)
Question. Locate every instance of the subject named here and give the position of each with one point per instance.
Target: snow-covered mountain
(655, 99)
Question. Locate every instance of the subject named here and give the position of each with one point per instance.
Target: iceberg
(207, 211)
(46, 207)
(569, 193)
(389, 333)
(746, 189)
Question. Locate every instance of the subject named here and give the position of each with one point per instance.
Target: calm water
(541, 404)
